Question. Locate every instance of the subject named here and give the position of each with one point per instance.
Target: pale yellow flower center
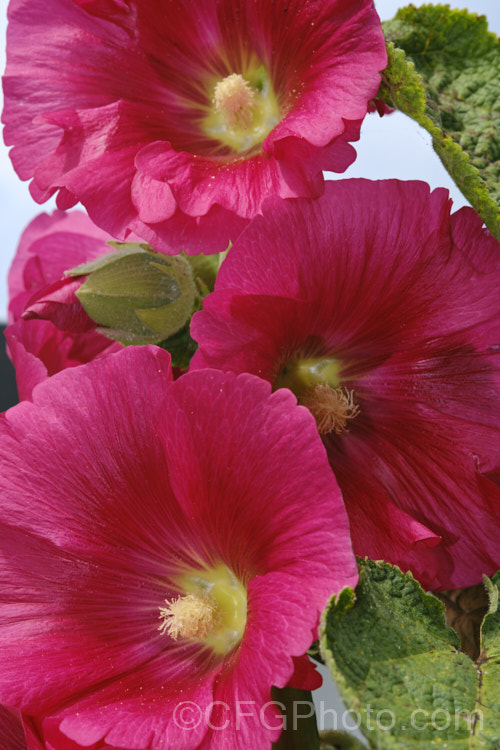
(317, 383)
(212, 611)
(243, 109)
(191, 616)
(234, 98)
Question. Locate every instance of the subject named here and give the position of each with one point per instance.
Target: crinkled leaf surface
(444, 72)
(398, 664)
(489, 665)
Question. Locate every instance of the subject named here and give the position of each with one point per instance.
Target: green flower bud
(137, 296)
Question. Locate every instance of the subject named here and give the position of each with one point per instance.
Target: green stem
(300, 730)
(334, 740)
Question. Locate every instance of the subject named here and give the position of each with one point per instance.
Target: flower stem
(300, 731)
(335, 740)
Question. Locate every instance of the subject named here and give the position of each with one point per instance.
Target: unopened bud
(137, 296)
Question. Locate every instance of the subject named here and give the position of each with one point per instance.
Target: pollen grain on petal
(332, 408)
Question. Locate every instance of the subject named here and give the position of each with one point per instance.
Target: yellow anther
(332, 408)
(235, 99)
(192, 616)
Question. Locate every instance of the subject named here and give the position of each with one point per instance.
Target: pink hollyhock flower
(381, 312)
(166, 550)
(48, 247)
(175, 119)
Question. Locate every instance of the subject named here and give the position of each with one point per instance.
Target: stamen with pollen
(332, 408)
(235, 99)
(193, 616)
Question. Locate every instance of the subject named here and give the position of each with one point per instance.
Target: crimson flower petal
(49, 246)
(120, 485)
(403, 299)
(114, 104)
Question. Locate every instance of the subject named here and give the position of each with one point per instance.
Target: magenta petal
(379, 277)
(152, 198)
(12, 735)
(116, 482)
(224, 466)
(107, 105)
(478, 246)
(39, 349)
(53, 738)
(220, 227)
(50, 245)
(38, 288)
(305, 675)
(239, 701)
(30, 370)
(147, 719)
(58, 303)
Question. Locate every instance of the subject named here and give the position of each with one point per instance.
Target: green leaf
(488, 730)
(398, 664)
(444, 72)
